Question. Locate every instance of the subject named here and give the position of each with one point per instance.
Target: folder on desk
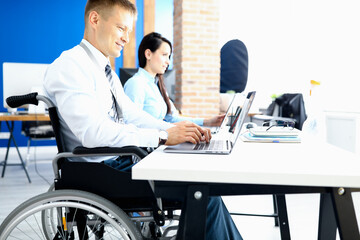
(274, 132)
(275, 135)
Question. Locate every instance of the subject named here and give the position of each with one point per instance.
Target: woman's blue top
(142, 89)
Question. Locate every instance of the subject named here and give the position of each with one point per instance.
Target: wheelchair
(90, 200)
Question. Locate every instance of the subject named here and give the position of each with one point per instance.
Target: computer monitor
(21, 78)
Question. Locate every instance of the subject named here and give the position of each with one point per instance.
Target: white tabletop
(297, 164)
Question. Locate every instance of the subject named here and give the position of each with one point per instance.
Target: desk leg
(193, 215)
(327, 221)
(11, 138)
(7, 154)
(345, 214)
(283, 217)
(276, 211)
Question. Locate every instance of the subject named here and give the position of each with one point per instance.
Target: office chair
(89, 199)
(291, 105)
(287, 107)
(126, 73)
(234, 64)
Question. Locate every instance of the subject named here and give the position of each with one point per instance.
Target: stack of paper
(274, 134)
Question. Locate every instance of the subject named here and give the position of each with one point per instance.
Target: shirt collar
(99, 57)
(147, 75)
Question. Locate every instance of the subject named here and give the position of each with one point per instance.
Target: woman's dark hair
(152, 41)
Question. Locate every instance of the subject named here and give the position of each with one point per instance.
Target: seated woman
(146, 88)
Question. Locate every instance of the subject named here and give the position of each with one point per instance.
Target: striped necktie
(118, 117)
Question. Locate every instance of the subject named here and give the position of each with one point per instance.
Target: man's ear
(94, 18)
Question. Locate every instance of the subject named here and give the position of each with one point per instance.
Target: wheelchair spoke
(95, 228)
(60, 230)
(72, 222)
(39, 228)
(26, 231)
(110, 234)
(14, 237)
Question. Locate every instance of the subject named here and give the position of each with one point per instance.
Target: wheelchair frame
(93, 206)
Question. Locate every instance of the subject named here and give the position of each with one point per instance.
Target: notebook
(226, 118)
(222, 145)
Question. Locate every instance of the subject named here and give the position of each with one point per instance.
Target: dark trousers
(219, 224)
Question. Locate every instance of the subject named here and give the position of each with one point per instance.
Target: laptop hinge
(227, 144)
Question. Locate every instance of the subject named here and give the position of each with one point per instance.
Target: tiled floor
(302, 209)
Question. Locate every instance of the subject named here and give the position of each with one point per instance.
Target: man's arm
(83, 102)
(180, 132)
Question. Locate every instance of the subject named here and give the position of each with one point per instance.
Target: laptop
(225, 143)
(225, 120)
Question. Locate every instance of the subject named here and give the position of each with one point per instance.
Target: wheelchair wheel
(68, 214)
(47, 217)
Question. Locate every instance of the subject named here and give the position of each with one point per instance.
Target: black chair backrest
(233, 66)
(126, 73)
(55, 122)
(292, 106)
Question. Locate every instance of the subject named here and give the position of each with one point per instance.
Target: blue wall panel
(39, 31)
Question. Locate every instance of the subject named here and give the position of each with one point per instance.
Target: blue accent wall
(39, 31)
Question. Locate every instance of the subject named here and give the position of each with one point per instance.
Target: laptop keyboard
(212, 145)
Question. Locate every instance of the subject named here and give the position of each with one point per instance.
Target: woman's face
(158, 61)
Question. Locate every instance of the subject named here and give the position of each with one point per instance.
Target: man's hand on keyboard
(186, 131)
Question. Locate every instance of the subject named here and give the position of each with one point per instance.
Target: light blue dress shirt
(143, 91)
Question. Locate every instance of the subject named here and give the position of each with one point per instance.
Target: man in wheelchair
(95, 112)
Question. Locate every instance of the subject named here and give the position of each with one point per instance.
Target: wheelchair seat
(114, 185)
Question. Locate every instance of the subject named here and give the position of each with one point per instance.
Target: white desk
(260, 168)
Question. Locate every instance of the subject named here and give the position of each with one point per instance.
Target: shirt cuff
(149, 138)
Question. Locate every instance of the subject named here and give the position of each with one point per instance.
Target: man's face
(113, 31)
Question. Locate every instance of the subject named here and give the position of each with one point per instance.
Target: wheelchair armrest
(81, 151)
(131, 150)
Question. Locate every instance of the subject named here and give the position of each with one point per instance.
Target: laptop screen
(244, 112)
(229, 112)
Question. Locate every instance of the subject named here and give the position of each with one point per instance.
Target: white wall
(341, 130)
(292, 42)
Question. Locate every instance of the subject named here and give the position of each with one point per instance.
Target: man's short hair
(102, 5)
